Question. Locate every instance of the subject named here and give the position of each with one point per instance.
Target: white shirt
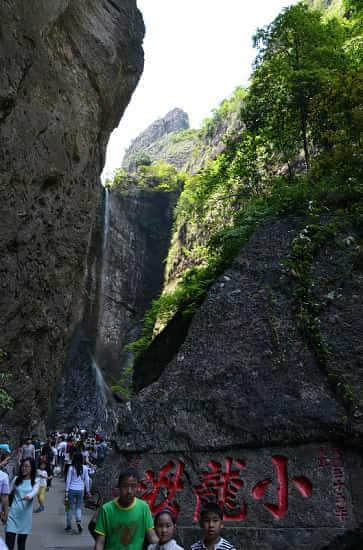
(171, 545)
(62, 447)
(221, 545)
(75, 482)
(42, 477)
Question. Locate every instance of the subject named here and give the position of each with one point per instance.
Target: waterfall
(103, 271)
(102, 390)
(106, 222)
(104, 400)
(83, 396)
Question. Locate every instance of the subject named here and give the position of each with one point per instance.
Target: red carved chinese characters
(160, 492)
(302, 484)
(332, 459)
(339, 485)
(222, 484)
(222, 487)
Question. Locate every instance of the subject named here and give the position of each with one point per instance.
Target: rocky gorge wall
(125, 272)
(237, 405)
(250, 403)
(137, 244)
(245, 412)
(57, 109)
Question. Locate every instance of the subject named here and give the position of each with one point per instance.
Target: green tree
(298, 53)
(353, 8)
(6, 400)
(142, 159)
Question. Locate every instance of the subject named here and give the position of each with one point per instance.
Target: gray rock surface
(247, 384)
(140, 222)
(155, 140)
(125, 273)
(243, 358)
(279, 497)
(68, 69)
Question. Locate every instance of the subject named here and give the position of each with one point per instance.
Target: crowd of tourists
(26, 475)
(126, 521)
(122, 522)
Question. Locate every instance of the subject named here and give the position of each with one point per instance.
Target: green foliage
(227, 106)
(158, 176)
(142, 159)
(353, 9)
(335, 9)
(6, 401)
(284, 197)
(185, 299)
(304, 102)
(123, 388)
(298, 56)
(304, 249)
(120, 179)
(189, 134)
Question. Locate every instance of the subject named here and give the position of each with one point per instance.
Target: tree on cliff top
(297, 55)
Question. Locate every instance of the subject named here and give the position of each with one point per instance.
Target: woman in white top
(77, 483)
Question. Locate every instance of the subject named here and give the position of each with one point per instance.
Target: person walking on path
(42, 477)
(62, 446)
(4, 496)
(77, 483)
(68, 457)
(37, 446)
(27, 450)
(47, 456)
(5, 458)
(24, 488)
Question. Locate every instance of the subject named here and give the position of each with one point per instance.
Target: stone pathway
(48, 526)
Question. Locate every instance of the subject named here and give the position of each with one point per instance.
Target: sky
(196, 53)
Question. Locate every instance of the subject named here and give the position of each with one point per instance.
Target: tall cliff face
(125, 272)
(187, 235)
(67, 73)
(140, 222)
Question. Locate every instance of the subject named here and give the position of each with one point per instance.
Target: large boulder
(247, 412)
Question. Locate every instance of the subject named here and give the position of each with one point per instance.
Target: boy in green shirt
(123, 522)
